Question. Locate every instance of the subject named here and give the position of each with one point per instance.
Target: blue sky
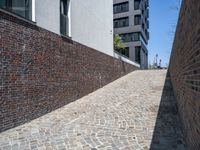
(163, 19)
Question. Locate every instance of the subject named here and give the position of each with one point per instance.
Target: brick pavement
(119, 116)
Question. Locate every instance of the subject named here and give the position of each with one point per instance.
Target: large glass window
(20, 7)
(137, 20)
(147, 13)
(137, 4)
(64, 18)
(121, 22)
(124, 51)
(130, 37)
(121, 7)
(64, 7)
(3, 3)
(137, 54)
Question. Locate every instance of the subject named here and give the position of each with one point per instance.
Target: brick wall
(41, 71)
(185, 71)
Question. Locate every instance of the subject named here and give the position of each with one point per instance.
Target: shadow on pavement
(167, 132)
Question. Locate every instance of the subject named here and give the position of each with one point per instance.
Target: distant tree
(118, 43)
(152, 66)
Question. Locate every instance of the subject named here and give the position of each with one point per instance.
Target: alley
(135, 112)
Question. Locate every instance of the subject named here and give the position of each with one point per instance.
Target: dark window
(137, 19)
(143, 40)
(143, 26)
(124, 52)
(137, 54)
(130, 37)
(20, 7)
(147, 13)
(64, 7)
(121, 22)
(148, 24)
(122, 7)
(137, 4)
(147, 34)
(64, 19)
(147, 3)
(3, 3)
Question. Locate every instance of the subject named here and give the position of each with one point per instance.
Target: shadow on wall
(167, 132)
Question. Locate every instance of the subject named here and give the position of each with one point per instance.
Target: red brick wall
(41, 71)
(185, 71)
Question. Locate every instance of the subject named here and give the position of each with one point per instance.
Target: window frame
(137, 21)
(118, 8)
(27, 10)
(64, 17)
(121, 22)
(130, 37)
(139, 5)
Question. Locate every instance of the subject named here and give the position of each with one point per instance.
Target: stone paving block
(129, 114)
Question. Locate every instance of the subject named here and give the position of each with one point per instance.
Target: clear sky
(163, 19)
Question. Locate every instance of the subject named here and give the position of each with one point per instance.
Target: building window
(20, 7)
(3, 4)
(130, 37)
(137, 4)
(122, 7)
(143, 40)
(147, 13)
(64, 18)
(124, 52)
(143, 26)
(137, 54)
(121, 22)
(137, 19)
(147, 24)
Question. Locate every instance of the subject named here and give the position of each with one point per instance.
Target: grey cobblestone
(119, 116)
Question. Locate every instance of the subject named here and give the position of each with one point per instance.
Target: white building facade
(83, 21)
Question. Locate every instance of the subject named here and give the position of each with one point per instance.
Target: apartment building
(83, 21)
(131, 23)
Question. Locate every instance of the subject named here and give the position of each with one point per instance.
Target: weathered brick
(42, 71)
(185, 70)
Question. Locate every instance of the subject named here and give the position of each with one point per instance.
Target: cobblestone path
(119, 116)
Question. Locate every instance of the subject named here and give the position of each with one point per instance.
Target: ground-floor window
(20, 7)
(124, 51)
(137, 54)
